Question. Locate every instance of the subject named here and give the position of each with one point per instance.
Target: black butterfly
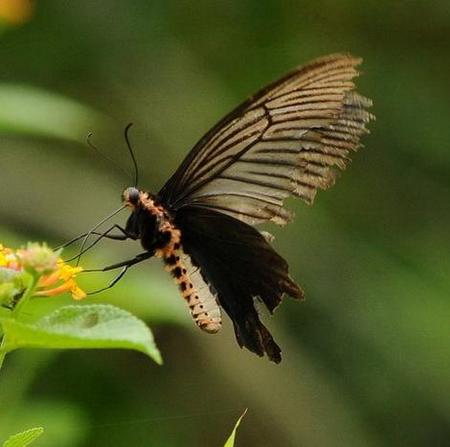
(285, 141)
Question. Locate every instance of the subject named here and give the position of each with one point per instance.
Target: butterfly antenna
(99, 152)
(127, 139)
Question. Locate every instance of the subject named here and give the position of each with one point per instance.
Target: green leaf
(24, 438)
(33, 111)
(82, 326)
(231, 439)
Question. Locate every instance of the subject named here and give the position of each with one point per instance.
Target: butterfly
(286, 140)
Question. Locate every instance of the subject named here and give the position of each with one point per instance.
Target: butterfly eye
(131, 195)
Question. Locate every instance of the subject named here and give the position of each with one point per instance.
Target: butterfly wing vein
(286, 141)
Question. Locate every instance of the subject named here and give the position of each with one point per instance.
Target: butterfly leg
(105, 234)
(125, 266)
(66, 244)
(113, 282)
(125, 235)
(128, 263)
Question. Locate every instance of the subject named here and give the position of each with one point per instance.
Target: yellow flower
(8, 259)
(65, 274)
(55, 276)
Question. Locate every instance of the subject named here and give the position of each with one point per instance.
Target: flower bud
(38, 258)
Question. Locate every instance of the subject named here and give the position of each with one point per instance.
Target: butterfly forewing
(284, 141)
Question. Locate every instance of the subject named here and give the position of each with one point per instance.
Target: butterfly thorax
(153, 225)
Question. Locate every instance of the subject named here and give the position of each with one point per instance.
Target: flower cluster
(53, 276)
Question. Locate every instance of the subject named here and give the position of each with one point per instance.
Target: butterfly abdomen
(204, 309)
(202, 303)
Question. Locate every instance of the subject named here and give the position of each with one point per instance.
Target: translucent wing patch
(202, 300)
(285, 141)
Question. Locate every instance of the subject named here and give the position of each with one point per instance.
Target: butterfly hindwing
(241, 265)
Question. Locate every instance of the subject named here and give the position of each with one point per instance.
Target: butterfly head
(131, 197)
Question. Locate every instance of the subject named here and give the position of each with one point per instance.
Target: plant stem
(28, 293)
(15, 313)
(2, 350)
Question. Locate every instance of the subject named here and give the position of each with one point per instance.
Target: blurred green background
(366, 357)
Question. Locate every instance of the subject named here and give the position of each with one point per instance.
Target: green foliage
(68, 327)
(231, 439)
(25, 438)
(368, 347)
(28, 110)
(82, 327)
